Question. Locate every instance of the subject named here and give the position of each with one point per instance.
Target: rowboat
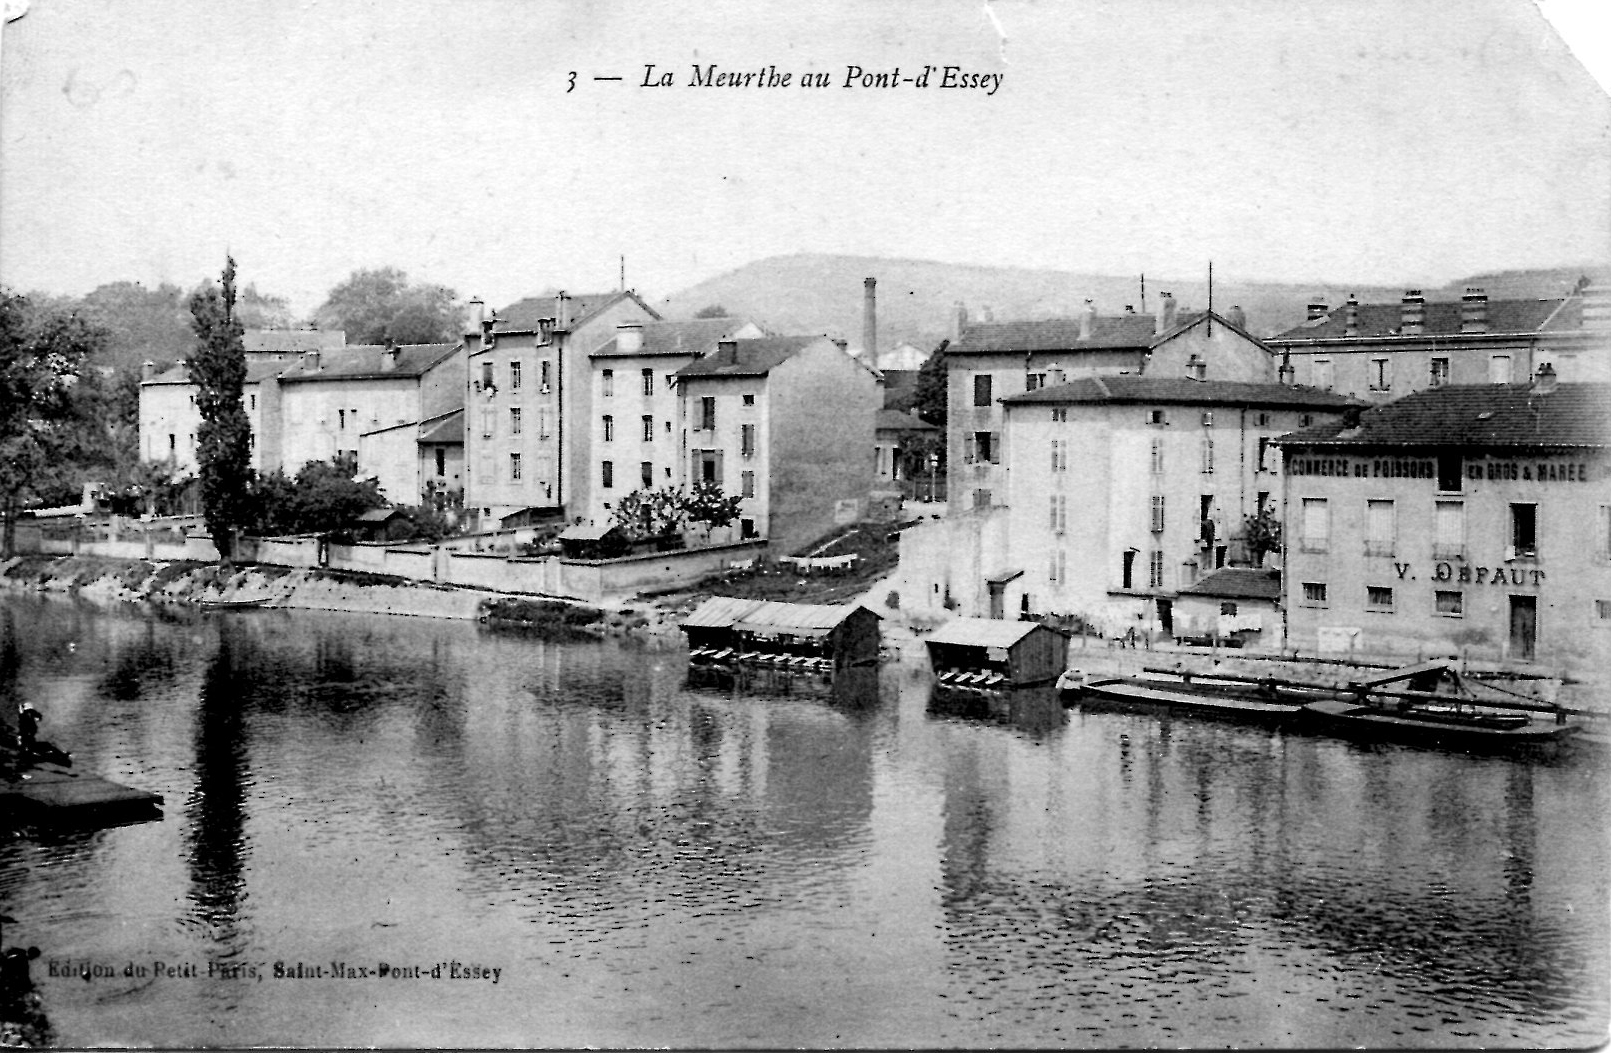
(1433, 724)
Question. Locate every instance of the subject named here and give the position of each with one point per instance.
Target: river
(481, 838)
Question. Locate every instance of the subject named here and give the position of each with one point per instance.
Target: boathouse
(993, 653)
(809, 636)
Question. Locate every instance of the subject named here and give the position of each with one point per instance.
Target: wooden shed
(994, 654)
(806, 636)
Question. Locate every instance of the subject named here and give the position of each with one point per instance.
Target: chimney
(1286, 374)
(959, 321)
(388, 357)
(478, 313)
(1412, 317)
(1129, 308)
(1544, 380)
(1351, 417)
(310, 361)
(1087, 318)
(1236, 316)
(1474, 311)
(1196, 368)
(1317, 308)
(487, 335)
(1596, 305)
(562, 311)
(727, 352)
(1166, 314)
(148, 369)
(629, 338)
(1351, 316)
(869, 321)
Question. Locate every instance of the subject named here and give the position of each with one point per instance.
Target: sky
(1365, 141)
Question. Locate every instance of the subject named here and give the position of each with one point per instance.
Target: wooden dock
(50, 793)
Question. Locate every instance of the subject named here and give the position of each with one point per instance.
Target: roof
(585, 532)
(1055, 334)
(894, 420)
(522, 316)
(982, 632)
(1238, 583)
(900, 388)
(379, 515)
(677, 338)
(448, 428)
(257, 340)
(749, 358)
(719, 612)
(1476, 415)
(812, 618)
(1131, 387)
(259, 367)
(364, 361)
(1377, 320)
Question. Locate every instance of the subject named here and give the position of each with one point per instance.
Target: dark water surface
(649, 861)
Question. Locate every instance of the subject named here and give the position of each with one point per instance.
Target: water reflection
(216, 811)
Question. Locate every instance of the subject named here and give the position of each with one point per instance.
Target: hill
(816, 293)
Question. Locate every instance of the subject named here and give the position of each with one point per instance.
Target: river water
(544, 843)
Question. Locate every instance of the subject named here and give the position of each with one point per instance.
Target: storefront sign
(1529, 471)
(1464, 573)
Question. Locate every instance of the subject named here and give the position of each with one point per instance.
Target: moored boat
(1204, 699)
(1436, 724)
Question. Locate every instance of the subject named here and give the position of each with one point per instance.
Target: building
(896, 435)
(637, 415)
(784, 422)
(1470, 519)
(529, 402)
(1381, 352)
(441, 455)
(362, 405)
(1005, 654)
(992, 361)
(169, 418)
(1232, 605)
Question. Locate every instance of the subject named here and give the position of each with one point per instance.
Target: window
(1323, 374)
(746, 528)
(1157, 417)
(1523, 531)
(514, 467)
(1450, 604)
(981, 498)
(1155, 569)
(253, 401)
(607, 469)
(648, 428)
(1316, 524)
(749, 400)
(1262, 420)
(486, 377)
(341, 418)
(1033, 381)
(542, 422)
(1059, 455)
(488, 422)
(1157, 514)
(746, 440)
(1380, 528)
(1378, 598)
(648, 381)
(607, 383)
(984, 447)
(1059, 506)
(1056, 567)
(1602, 547)
(514, 376)
(1440, 372)
(1499, 369)
(707, 413)
(514, 420)
(1602, 610)
(981, 389)
(172, 444)
(1449, 471)
(1449, 530)
(1157, 456)
(1264, 449)
(1060, 415)
(1314, 593)
(746, 484)
(1208, 454)
(543, 375)
(609, 428)
(1305, 419)
(646, 474)
(1381, 375)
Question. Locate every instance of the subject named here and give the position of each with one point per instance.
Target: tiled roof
(259, 367)
(1377, 320)
(778, 614)
(364, 361)
(719, 612)
(522, 315)
(1477, 415)
(1129, 387)
(257, 340)
(749, 358)
(677, 338)
(1055, 334)
(1238, 583)
(895, 420)
(981, 632)
(448, 428)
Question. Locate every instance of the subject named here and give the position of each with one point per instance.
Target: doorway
(1523, 627)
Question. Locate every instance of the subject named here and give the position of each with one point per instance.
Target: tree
(652, 513)
(714, 310)
(709, 507)
(1262, 533)
(223, 440)
(375, 306)
(141, 324)
(261, 311)
(44, 357)
(932, 383)
(324, 498)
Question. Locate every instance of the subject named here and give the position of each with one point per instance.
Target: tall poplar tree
(223, 442)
